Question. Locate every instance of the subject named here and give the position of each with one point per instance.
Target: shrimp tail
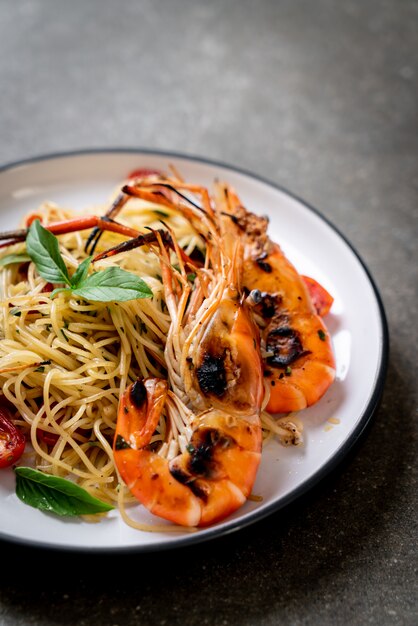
(146, 474)
(139, 413)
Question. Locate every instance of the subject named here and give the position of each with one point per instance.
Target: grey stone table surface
(320, 97)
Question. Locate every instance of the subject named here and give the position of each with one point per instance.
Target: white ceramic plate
(359, 333)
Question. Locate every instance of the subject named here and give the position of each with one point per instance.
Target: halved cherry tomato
(144, 172)
(12, 440)
(320, 297)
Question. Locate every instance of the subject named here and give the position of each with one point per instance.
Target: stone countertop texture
(320, 97)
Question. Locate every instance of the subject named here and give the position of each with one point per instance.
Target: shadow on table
(284, 561)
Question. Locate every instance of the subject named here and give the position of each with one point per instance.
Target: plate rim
(336, 458)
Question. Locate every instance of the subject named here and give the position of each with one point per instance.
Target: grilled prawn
(212, 401)
(299, 360)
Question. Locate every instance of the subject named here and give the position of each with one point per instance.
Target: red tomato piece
(144, 172)
(49, 438)
(12, 440)
(320, 297)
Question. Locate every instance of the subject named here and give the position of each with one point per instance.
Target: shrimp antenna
(96, 233)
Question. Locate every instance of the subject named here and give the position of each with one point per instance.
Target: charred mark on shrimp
(202, 462)
(121, 443)
(138, 393)
(263, 264)
(285, 344)
(211, 374)
(204, 443)
(185, 479)
(269, 304)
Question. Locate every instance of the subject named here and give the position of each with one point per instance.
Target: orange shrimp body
(299, 362)
(214, 474)
(147, 474)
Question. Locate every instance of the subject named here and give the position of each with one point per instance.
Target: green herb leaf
(55, 494)
(109, 285)
(113, 284)
(9, 259)
(80, 274)
(59, 290)
(42, 247)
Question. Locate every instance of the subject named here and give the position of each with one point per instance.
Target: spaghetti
(65, 361)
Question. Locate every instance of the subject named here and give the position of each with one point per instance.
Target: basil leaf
(42, 247)
(112, 284)
(59, 290)
(80, 274)
(55, 494)
(9, 259)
